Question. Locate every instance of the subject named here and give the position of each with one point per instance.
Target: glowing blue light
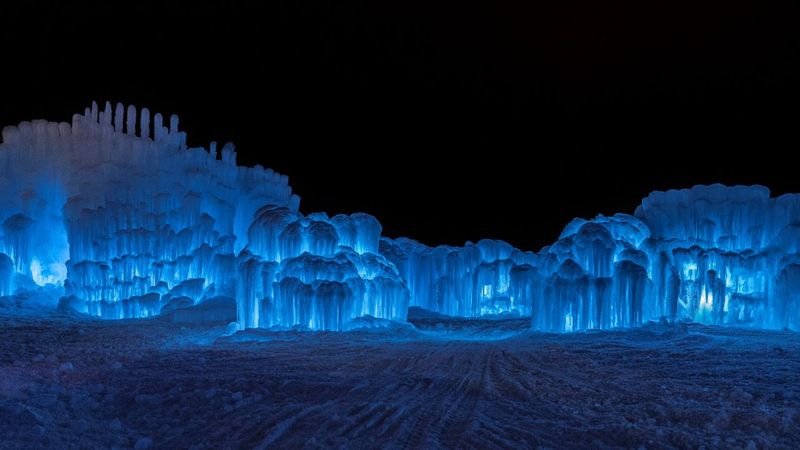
(130, 225)
(55, 273)
(690, 271)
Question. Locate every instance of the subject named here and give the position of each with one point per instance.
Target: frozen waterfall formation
(116, 216)
(132, 223)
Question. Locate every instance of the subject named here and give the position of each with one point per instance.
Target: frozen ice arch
(118, 216)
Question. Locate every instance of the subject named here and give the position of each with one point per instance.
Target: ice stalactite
(711, 254)
(467, 281)
(297, 270)
(7, 272)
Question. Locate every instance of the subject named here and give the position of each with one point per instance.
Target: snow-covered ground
(70, 382)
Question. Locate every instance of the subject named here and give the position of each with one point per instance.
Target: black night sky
(448, 120)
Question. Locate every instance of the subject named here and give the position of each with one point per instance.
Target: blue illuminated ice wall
(115, 215)
(489, 277)
(118, 214)
(710, 254)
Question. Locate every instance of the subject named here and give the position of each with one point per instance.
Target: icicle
(144, 123)
(173, 124)
(118, 117)
(158, 128)
(130, 126)
(106, 115)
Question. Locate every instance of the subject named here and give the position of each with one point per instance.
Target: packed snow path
(444, 383)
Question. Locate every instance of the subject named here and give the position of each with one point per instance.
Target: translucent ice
(115, 213)
(712, 254)
(468, 281)
(130, 224)
(298, 271)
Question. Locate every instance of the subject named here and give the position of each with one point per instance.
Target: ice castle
(116, 217)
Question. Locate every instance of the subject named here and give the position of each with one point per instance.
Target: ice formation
(129, 221)
(117, 216)
(489, 277)
(315, 271)
(711, 254)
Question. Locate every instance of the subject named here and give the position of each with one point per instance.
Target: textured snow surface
(67, 382)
